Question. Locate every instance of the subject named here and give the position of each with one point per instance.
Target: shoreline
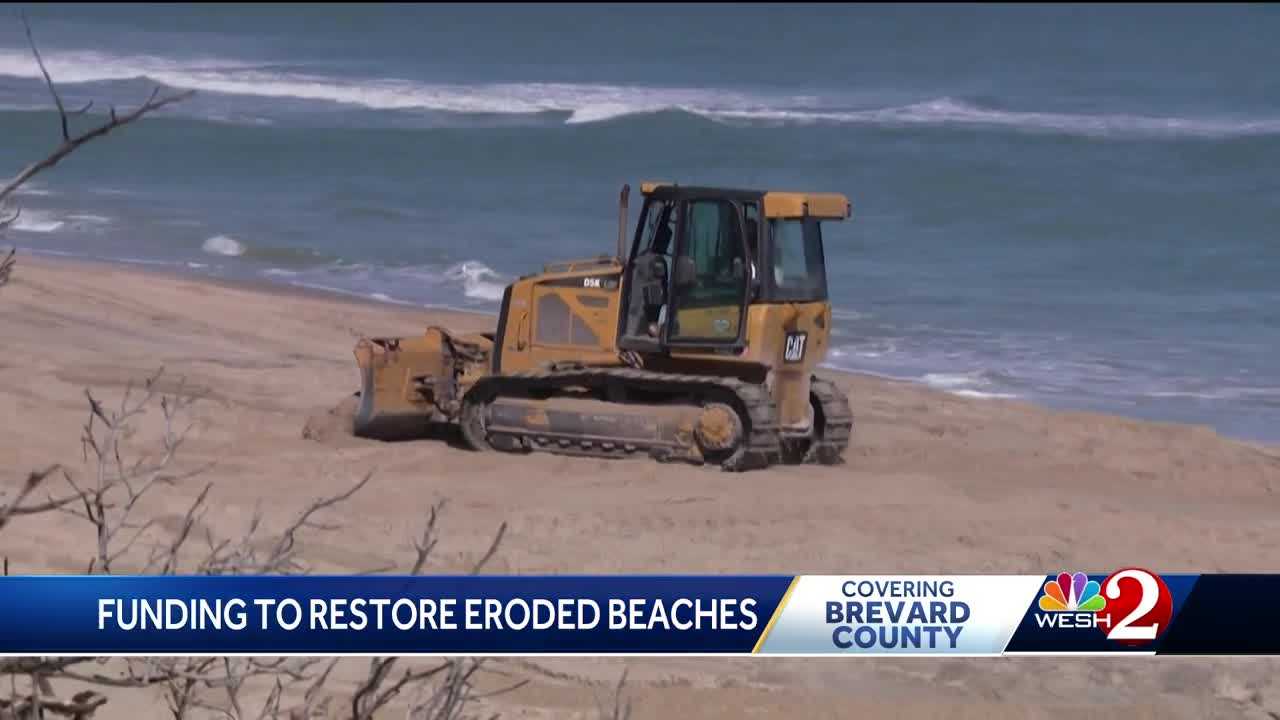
(252, 284)
(284, 289)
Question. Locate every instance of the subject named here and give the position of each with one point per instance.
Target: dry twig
(6, 265)
(110, 501)
(620, 707)
(71, 141)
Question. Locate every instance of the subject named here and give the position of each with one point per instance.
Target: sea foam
(37, 221)
(479, 281)
(223, 245)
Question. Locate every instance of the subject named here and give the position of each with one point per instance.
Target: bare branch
(6, 265)
(621, 706)
(71, 145)
(446, 699)
(81, 706)
(70, 141)
(34, 478)
(493, 548)
(365, 695)
(37, 665)
(189, 520)
(283, 550)
(108, 497)
(427, 543)
(442, 700)
(48, 81)
(233, 683)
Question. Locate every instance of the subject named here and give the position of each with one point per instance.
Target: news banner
(1131, 610)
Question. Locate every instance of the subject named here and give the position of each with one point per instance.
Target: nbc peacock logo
(1072, 593)
(1071, 601)
(1132, 606)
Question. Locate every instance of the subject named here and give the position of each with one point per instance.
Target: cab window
(659, 228)
(710, 274)
(797, 270)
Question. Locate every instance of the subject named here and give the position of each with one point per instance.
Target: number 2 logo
(1139, 606)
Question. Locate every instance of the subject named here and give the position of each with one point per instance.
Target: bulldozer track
(761, 442)
(837, 423)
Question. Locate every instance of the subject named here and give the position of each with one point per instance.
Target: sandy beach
(933, 483)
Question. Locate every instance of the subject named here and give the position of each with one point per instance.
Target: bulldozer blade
(392, 402)
(407, 383)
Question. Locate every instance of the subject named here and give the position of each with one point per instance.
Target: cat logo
(591, 282)
(794, 350)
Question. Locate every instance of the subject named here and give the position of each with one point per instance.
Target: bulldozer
(697, 344)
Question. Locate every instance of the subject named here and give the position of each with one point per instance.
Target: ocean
(1071, 205)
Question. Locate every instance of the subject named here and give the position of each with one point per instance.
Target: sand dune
(933, 483)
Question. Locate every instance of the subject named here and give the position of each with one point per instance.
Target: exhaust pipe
(623, 199)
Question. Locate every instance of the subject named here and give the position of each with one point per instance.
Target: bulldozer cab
(701, 256)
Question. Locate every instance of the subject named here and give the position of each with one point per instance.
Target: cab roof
(823, 206)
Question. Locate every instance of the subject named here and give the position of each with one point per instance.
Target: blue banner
(1129, 610)
(394, 615)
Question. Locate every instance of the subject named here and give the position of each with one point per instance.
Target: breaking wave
(584, 102)
(948, 111)
(89, 219)
(36, 221)
(223, 245)
(34, 190)
(470, 284)
(479, 281)
(587, 103)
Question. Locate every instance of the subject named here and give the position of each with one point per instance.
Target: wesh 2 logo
(1132, 606)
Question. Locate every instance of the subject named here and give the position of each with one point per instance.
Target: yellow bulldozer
(699, 344)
